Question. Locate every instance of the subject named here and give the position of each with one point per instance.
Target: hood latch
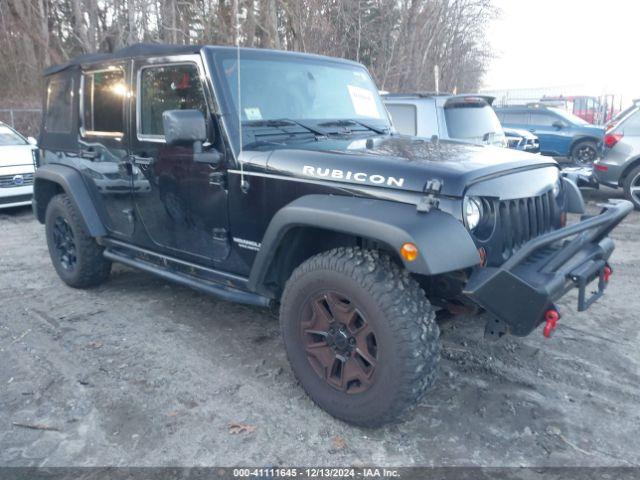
(429, 201)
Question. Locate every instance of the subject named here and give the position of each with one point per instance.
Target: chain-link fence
(24, 120)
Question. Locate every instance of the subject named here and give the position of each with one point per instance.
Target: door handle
(140, 160)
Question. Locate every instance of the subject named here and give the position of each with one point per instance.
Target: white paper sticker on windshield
(253, 113)
(363, 102)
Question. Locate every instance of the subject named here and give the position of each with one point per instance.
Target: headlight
(472, 210)
(557, 187)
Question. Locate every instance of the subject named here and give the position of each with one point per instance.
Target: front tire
(631, 187)
(360, 335)
(584, 152)
(75, 255)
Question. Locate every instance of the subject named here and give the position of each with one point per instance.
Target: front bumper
(525, 287)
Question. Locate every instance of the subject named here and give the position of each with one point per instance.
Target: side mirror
(32, 141)
(183, 127)
(188, 127)
(558, 125)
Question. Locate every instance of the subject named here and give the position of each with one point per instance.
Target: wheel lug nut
(352, 341)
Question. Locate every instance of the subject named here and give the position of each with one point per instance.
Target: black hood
(398, 162)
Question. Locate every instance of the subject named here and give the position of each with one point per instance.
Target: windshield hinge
(429, 201)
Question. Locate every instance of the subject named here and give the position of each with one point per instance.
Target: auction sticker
(363, 102)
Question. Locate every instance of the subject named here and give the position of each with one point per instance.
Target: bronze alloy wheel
(340, 344)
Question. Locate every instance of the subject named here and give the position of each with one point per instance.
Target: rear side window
(404, 118)
(543, 120)
(103, 96)
(172, 87)
(631, 125)
(520, 118)
(58, 117)
(471, 120)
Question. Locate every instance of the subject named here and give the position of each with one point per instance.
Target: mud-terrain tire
(392, 339)
(631, 187)
(75, 255)
(584, 152)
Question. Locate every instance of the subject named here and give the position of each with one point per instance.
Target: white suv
(466, 118)
(17, 158)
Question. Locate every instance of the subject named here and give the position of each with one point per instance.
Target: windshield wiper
(351, 122)
(283, 122)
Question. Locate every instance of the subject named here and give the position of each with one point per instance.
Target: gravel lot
(142, 372)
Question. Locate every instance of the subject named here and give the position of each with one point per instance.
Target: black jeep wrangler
(268, 177)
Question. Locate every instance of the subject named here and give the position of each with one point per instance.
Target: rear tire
(584, 152)
(360, 335)
(75, 255)
(631, 187)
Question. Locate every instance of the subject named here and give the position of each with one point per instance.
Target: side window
(631, 126)
(519, 118)
(542, 119)
(170, 87)
(59, 111)
(404, 118)
(103, 96)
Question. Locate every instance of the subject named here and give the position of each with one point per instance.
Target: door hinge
(429, 201)
(218, 178)
(220, 234)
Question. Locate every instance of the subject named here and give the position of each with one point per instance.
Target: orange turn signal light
(409, 251)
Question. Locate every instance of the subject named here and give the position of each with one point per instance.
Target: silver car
(17, 155)
(465, 118)
(619, 166)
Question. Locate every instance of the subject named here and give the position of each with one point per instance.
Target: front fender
(70, 181)
(443, 242)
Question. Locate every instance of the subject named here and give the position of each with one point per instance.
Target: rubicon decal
(362, 177)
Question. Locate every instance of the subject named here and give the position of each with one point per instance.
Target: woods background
(400, 41)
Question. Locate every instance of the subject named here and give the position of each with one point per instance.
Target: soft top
(151, 49)
(136, 50)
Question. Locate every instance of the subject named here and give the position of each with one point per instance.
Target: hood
(13, 155)
(397, 162)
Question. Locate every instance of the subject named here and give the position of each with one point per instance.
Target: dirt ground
(143, 372)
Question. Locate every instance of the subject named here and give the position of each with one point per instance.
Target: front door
(181, 204)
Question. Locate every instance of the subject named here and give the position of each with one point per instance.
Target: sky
(592, 46)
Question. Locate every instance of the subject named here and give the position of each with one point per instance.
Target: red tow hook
(607, 273)
(551, 318)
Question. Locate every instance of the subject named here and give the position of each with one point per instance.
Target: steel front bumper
(524, 288)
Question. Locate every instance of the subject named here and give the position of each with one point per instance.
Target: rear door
(181, 204)
(102, 155)
(553, 140)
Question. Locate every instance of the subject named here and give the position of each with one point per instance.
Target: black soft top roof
(151, 49)
(136, 50)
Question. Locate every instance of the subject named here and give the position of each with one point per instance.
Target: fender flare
(70, 180)
(444, 243)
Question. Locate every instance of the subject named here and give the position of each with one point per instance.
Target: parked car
(291, 190)
(17, 159)
(560, 133)
(467, 118)
(524, 140)
(622, 114)
(619, 166)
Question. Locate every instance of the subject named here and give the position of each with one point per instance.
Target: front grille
(20, 180)
(523, 219)
(14, 199)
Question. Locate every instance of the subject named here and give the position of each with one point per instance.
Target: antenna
(244, 186)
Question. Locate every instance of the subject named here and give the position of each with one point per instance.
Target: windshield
(473, 121)
(570, 117)
(319, 93)
(9, 137)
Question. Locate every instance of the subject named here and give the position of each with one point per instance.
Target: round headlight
(472, 212)
(557, 187)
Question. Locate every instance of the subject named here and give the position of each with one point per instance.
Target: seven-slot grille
(7, 181)
(525, 218)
